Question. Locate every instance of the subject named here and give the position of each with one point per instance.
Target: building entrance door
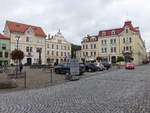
(113, 59)
(29, 61)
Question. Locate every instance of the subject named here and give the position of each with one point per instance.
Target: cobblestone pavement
(121, 91)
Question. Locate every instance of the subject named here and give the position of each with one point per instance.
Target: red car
(129, 66)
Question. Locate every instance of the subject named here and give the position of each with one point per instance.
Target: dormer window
(112, 32)
(127, 30)
(103, 33)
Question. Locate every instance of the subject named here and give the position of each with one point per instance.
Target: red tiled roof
(4, 37)
(19, 27)
(119, 30)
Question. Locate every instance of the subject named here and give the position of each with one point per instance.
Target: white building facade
(32, 39)
(57, 48)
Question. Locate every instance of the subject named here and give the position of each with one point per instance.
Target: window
(105, 41)
(30, 49)
(91, 46)
(124, 40)
(47, 45)
(91, 53)
(83, 54)
(130, 48)
(114, 41)
(102, 41)
(68, 54)
(57, 53)
(94, 53)
(27, 49)
(4, 46)
(127, 30)
(39, 41)
(102, 50)
(127, 48)
(38, 49)
(86, 46)
(1, 54)
(114, 49)
(105, 50)
(83, 46)
(111, 41)
(57, 47)
(103, 33)
(124, 48)
(52, 46)
(47, 52)
(130, 40)
(86, 53)
(61, 53)
(111, 49)
(59, 41)
(94, 46)
(64, 53)
(6, 54)
(113, 33)
(52, 53)
(65, 47)
(27, 39)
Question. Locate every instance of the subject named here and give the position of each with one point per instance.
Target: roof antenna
(59, 30)
(127, 16)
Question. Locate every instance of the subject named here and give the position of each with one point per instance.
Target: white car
(99, 66)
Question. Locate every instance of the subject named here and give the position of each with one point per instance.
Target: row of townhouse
(109, 44)
(33, 41)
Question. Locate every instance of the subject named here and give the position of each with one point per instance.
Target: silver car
(100, 67)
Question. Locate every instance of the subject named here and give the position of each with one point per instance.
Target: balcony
(127, 52)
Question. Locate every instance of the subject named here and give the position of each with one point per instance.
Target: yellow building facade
(125, 41)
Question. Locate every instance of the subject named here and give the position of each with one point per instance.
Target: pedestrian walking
(21, 67)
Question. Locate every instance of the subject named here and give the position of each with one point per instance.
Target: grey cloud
(77, 18)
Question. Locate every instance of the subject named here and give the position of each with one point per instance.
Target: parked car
(129, 66)
(105, 64)
(91, 67)
(65, 69)
(99, 66)
(146, 61)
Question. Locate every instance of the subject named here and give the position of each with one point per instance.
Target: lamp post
(17, 66)
(40, 50)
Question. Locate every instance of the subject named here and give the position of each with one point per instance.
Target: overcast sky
(77, 18)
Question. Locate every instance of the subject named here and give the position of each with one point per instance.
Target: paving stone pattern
(121, 91)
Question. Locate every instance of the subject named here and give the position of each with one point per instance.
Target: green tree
(120, 59)
(74, 48)
(98, 58)
(17, 55)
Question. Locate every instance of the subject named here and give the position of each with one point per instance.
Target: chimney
(49, 36)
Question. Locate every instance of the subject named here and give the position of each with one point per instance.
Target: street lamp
(17, 38)
(17, 66)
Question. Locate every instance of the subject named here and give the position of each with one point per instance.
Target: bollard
(25, 80)
(51, 75)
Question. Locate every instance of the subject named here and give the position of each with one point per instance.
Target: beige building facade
(31, 40)
(125, 41)
(89, 48)
(57, 48)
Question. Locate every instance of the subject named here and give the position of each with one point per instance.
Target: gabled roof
(119, 30)
(4, 37)
(19, 27)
